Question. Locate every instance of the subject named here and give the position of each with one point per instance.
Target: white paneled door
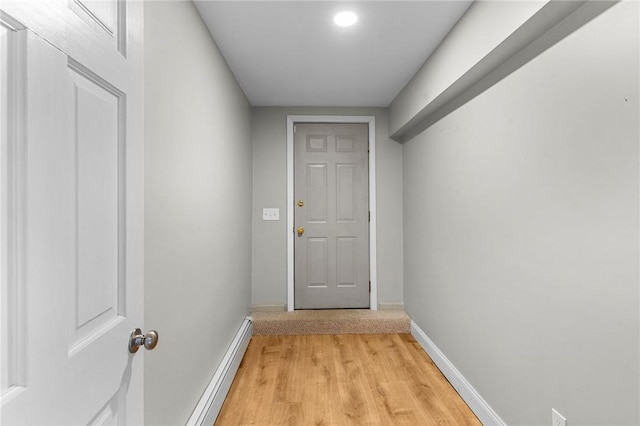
(331, 248)
(71, 187)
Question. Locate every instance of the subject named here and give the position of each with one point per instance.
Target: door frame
(371, 121)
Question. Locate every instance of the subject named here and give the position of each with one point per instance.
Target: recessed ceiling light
(345, 19)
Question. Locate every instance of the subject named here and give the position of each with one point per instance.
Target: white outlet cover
(271, 214)
(557, 419)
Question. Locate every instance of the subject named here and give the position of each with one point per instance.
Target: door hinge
(369, 216)
(369, 286)
(294, 129)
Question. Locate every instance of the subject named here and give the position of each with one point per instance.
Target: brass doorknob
(300, 231)
(300, 203)
(137, 339)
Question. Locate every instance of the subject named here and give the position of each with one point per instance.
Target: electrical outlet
(557, 419)
(270, 214)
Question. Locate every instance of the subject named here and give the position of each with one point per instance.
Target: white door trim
(371, 121)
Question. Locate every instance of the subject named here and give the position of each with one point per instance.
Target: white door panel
(331, 182)
(80, 28)
(72, 209)
(95, 128)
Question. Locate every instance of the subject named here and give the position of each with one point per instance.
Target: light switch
(270, 214)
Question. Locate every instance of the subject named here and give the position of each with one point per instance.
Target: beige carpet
(342, 321)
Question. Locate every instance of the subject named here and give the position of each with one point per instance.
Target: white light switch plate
(270, 214)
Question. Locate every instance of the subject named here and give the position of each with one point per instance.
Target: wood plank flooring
(348, 379)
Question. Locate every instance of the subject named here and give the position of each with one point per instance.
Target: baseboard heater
(213, 397)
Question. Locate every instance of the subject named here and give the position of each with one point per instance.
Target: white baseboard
(473, 399)
(213, 397)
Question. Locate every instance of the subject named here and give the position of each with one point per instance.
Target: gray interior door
(331, 216)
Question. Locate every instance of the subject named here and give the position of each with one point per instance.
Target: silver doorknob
(137, 339)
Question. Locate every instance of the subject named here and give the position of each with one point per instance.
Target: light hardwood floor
(355, 379)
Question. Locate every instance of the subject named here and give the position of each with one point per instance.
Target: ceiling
(289, 53)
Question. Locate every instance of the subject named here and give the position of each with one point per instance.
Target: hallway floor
(375, 379)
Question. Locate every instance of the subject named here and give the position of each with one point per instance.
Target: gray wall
(269, 138)
(521, 232)
(465, 47)
(197, 208)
